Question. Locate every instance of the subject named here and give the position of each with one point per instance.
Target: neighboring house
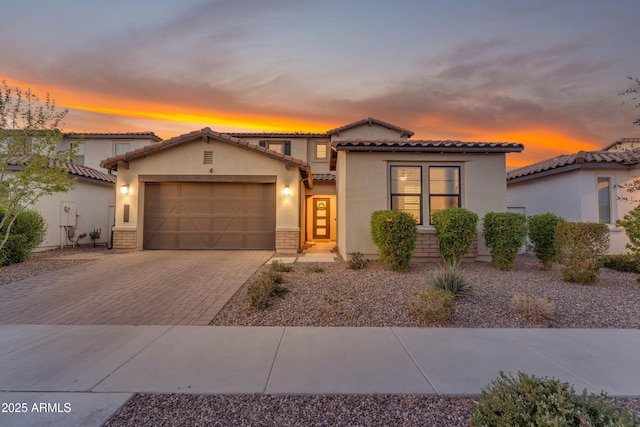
(580, 187)
(207, 190)
(86, 209)
(92, 148)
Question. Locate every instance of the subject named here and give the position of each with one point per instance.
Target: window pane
(276, 146)
(437, 203)
(405, 180)
(604, 201)
(321, 151)
(444, 180)
(121, 148)
(408, 204)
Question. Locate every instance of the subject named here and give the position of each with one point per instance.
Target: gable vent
(207, 158)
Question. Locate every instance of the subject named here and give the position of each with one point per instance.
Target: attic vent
(207, 158)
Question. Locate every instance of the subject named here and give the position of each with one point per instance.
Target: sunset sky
(545, 73)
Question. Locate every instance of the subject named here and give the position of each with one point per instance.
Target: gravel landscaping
(330, 294)
(333, 295)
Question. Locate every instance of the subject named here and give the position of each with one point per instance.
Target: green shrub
(357, 261)
(631, 224)
(455, 228)
(26, 234)
(536, 308)
(581, 247)
(450, 278)
(533, 401)
(432, 305)
(395, 233)
(265, 287)
(626, 263)
(504, 234)
(542, 230)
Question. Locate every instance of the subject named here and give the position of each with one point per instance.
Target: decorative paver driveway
(136, 288)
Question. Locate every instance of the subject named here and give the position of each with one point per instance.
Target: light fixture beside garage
(286, 191)
(124, 189)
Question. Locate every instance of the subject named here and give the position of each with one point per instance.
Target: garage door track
(136, 288)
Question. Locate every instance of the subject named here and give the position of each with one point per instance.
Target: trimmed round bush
(542, 231)
(504, 234)
(456, 229)
(395, 234)
(581, 247)
(26, 234)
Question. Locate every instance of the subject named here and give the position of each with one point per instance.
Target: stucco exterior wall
(364, 187)
(90, 207)
(573, 196)
(98, 149)
(187, 159)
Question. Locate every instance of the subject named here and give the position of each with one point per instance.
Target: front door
(321, 221)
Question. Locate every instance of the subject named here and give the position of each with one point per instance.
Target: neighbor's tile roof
(324, 177)
(621, 141)
(277, 135)
(112, 162)
(369, 121)
(125, 135)
(568, 162)
(74, 169)
(420, 146)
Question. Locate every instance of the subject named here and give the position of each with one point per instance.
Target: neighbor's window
(406, 190)
(604, 200)
(121, 148)
(79, 158)
(444, 188)
(321, 151)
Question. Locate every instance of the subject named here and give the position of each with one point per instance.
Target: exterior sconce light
(124, 189)
(286, 191)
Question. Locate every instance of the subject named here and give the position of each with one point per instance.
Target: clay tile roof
(323, 177)
(621, 141)
(568, 162)
(369, 121)
(277, 135)
(125, 135)
(205, 133)
(74, 169)
(419, 146)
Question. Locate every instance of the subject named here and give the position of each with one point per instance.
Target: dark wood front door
(321, 219)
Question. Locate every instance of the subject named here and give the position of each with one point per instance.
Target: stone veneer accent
(287, 241)
(125, 239)
(427, 246)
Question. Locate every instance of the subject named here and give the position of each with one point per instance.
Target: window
(604, 200)
(406, 190)
(444, 188)
(121, 148)
(321, 151)
(283, 147)
(79, 158)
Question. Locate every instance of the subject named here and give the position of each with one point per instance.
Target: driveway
(135, 288)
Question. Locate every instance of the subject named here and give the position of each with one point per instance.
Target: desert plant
(534, 401)
(456, 229)
(504, 233)
(581, 247)
(395, 233)
(281, 267)
(631, 224)
(315, 269)
(26, 234)
(357, 261)
(264, 287)
(432, 305)
(450, 278)
(542, 231)
(536, 308)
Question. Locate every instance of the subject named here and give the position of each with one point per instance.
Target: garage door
(213, 215)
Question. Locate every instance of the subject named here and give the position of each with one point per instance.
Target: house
(86, 209)
(579, 187)
(207, 190)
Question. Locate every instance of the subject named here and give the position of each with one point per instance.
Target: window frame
(326, 150)
(609, 201)
(419, 195)
(458, 194)
(116, 144)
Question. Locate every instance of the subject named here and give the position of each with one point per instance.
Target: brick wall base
(287, 241)
(125, 239)
(427, 246)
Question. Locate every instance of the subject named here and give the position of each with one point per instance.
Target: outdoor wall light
(124, 189)
(286, 191)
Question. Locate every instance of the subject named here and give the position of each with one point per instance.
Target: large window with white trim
(416, 189)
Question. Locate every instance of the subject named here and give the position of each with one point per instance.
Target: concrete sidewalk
(93, 370)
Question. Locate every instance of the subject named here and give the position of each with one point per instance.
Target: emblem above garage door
(209, 215)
